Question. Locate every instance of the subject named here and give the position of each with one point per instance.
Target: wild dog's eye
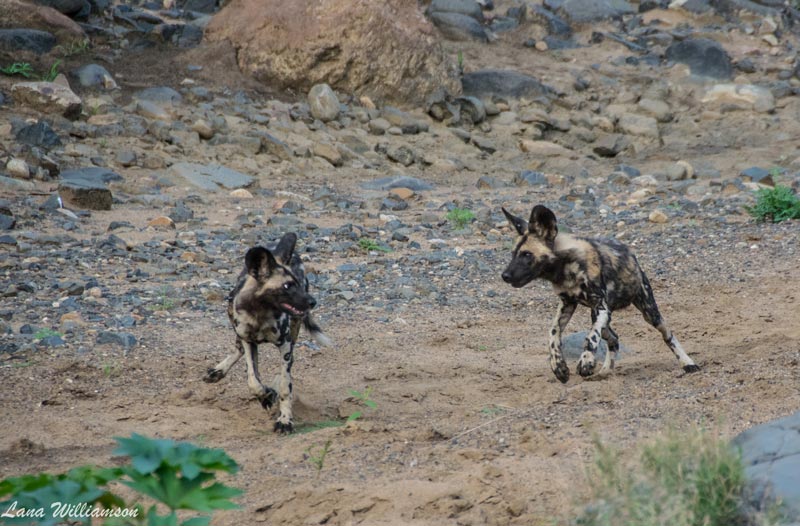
(525, 254)
(288, 286)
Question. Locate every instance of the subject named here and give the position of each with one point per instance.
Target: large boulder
(381, 48)
(15, 14)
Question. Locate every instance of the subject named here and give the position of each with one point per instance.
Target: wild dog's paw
(692, 368)
(213, 376)
(561, 370)
(268, 398)
(586, 364)
(283, 428)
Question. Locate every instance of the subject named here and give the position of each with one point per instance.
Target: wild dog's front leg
(264, 394)
(284, 423)
(559, 367)
(613, 346)
(215, 374)
(587, 362)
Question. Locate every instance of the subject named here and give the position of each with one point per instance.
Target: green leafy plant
(22, 69)
(460, 58)
(111, 370)
(365, 398)
(776, 204)
(460, 217)
(315, 455)
(51, 73)
(164, 301)
(680, 479)
(178, 475)
(370, 245)
(45, 332)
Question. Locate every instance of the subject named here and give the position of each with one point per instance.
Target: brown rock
(379, 48)
(18, 13)
(47, 97)
(401, 193)
(161, 222)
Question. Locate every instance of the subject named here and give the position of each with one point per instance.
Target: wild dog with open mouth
(268, 304)
(601, 274)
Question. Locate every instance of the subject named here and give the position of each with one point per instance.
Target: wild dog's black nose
(506, 277)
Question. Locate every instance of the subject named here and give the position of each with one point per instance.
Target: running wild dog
(601, 274)
(268, 304)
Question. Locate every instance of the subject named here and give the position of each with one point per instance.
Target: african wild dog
(601, 274)
(268, 304)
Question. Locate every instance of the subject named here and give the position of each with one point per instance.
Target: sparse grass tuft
(317, 426)
(76, 47)
(51, 73)
(680, 479)
(45, 332)
(776, 204)
(22, 69)
(315, 455)
(460, 217)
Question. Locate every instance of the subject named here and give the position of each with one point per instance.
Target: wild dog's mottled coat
(268, 304)
(601, 274)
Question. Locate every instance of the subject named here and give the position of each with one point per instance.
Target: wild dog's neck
(557, 267)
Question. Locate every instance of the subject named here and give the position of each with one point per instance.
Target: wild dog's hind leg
(646, 304)
(215, 374)
(264, 394)
(559, 367)
(284, 423)
(600, 319)
(613, 346)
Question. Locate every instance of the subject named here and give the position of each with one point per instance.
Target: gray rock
(401, 119)
(274, 146)
(610, 145)
(639, 125)
(119, 339)
(85, 193)
(379, 126)
(211, 177)
(502, 83)
(572, 346)
(484, 144)
(10, 183)
(529, 178)
(48, 97)
(7, 222)
(401, 154)
(455, 26)
(705, 57)
(502, 24)
(472, 110)
(92, 174)
(399, 181)
(67, 7)
(159, 95)
(756, 174)
(93, 76)
(771, 456)
(125, 158)
(323, 103)
(487, 182)
(39, 134)
(556, 26)
(15, 40)
(583, 11)
(470, 8)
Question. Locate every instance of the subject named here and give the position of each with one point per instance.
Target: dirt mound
(379, 48)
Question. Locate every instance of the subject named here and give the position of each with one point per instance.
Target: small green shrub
(460, 217)
(45, 332)
(75, 47)
(776, 204)
(370, 245)
(315, 455)
(177, 475)
(364, 398)
(51, 73)
(681, 479)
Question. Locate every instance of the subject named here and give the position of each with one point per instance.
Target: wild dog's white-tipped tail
(316, 332)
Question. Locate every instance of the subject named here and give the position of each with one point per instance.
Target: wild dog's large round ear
(285, 247)
(517, 223)
(259, 262)
(543, 223)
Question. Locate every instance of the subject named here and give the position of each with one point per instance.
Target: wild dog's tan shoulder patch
(586, 252)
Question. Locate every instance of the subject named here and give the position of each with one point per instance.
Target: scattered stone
(458, 27)
(119, 339)
(379, 126)
(529, 178)
(160, 95)
(387, 183)
(328, 152)
(656, 108)
(211, 177)
(759, 175)
(125, 158)
(203, 129)
(94, 174)
(472, 110)
(639, 125)
(705, 57)
(94, 76)
(85, 193)
(16, 40)
(402, 193)
(657, 216)
(39, 134)
(584, 11)
(18, 168)
(274, 146)
(470, 8)
(484, 144)
(241, 193)
(487, 182)
(323, 103)
(503, 83)
(7, 222)
(740, 96)
(161, 222)
(401, 119)
(544, 148)
(47, 97)
(401, 154)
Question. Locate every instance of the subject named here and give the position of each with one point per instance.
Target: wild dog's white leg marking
(675, 346)
(587, 362)
(563, 315)
(219, 372)
(253, 378)
(284, 422)
(613, 346)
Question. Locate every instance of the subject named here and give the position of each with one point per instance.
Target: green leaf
(203, 520)
(154, 519)
(370, 403)
(354, 416)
